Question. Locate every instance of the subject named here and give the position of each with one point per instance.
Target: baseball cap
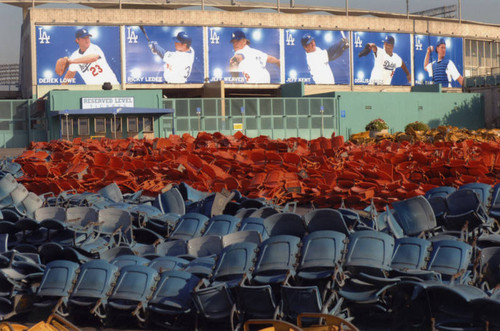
(238, 35)
(183, 38)
(440, 42)
(82, 33)
(389, 40)
(306, 39)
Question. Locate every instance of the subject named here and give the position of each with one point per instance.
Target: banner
(164, 54)
(244, 55)
(381, 58)
(444, 62)
(93, 55)
(317, 56)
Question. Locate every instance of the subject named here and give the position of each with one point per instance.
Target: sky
(474, 10)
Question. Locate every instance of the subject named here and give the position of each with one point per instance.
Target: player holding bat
(177, 65)
(88, 60)
(249, 61)
(318, 60)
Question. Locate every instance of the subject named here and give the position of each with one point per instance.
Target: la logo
(44, 38)
(418, 44)
(290, 40)
(358, 42)
(131, 36)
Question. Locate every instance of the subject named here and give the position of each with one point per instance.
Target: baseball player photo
(382, 59)
(244, 56)
(89, 62)
(318, 60)
(96, 59)
(386, 62)
(178, 64)
(164, 54)
(442, 71)
(248, 61)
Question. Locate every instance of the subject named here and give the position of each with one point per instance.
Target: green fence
(20, 123)
(274, 117)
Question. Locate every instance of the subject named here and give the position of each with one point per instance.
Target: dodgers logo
(358, 42)
(131, 36)
(418, 44)
(290, 40)
(214, 38)
(44, 38)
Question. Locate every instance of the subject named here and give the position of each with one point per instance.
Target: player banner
(438, 60)
(244, 55)
(78, 55)
(317, 56)
(164, 54)
(381, 58)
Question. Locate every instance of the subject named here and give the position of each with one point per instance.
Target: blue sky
(475, 10)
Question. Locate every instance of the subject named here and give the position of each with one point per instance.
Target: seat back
(235, 261)
(449, 257)
(81, 216)
(221, 225)
(95, 280)
(415, 215)
(277, 257)
(172, 248)
(7, 184)
(254, 224)
(325, 219)
(58, 279)
(170, 201)
(125, 260)
(300, 299)
(263, 212)
(204, 246)
(369, 251)
(168, 263)
(112, 192)
(256, 301)
(411, 253)
(285, 224)
(484, 192)
(173, 291)
(441, 191)
(135, 283)
(241, 236)
(189, 226)
(464, 206)
(490, 265)
(321, 251)
(112, 219)
(44, 213)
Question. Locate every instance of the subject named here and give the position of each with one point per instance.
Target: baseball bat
(144, 31)
(343, 35)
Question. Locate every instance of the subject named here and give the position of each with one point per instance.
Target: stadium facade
(290, 100)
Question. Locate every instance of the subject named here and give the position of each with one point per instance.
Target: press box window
(67, 125)
(100, 125)
(116, 121)
(132, 124)
(83, 126)
(147, 124)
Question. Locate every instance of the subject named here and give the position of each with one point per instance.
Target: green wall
(356, 109)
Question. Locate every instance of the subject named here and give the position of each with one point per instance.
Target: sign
(244, 55)
(95, 49)
(91, 103)
(164, 54)
(381, 58)
(238, 126)
(317, 56)
(451, 57)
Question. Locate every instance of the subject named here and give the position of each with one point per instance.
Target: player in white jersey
(89, 61)
(249, 61)
(386, 63)
(177, 65)
(318, 60)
